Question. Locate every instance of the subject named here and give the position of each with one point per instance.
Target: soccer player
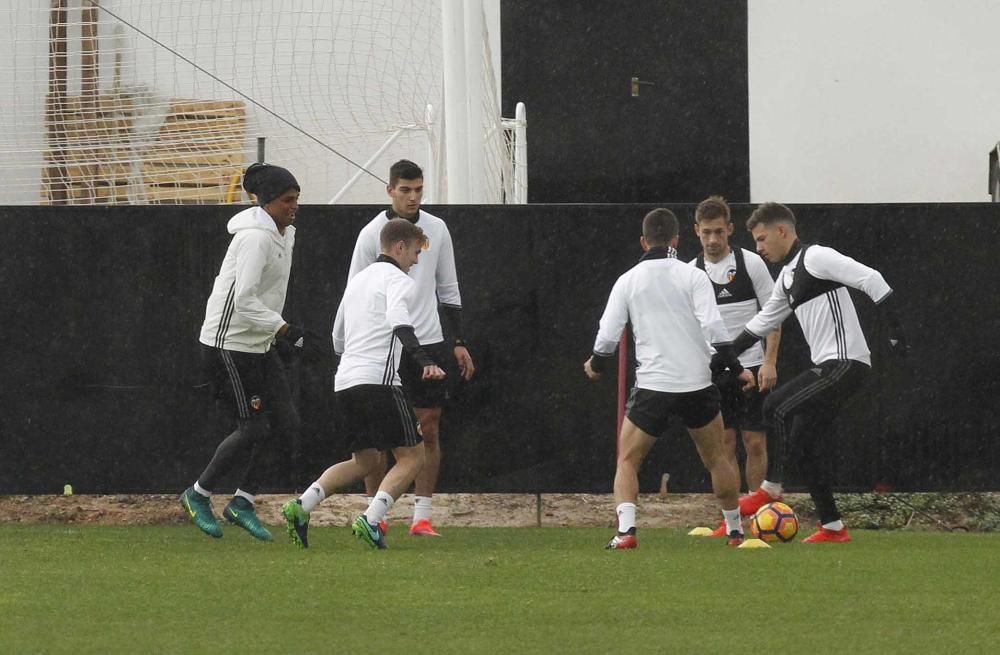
(242, 321)
(436, 289)
(800, 414)
(674, 319)
(742, 285)
(373, 318)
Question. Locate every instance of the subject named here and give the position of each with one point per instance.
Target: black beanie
(267, 182)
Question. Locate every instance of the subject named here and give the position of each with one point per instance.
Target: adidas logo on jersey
(724, 294)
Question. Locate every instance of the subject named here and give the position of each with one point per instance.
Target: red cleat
(423, 528)
(622, 542)
(735, 538)
(752, 502)
(832, 536)
(383, 525)
(720, 531)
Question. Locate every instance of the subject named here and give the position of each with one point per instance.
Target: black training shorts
(650, 410)
(376, 416)
(743, 410)
(427, 394)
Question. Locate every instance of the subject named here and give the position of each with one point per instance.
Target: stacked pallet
(87, 159)
(197, 156)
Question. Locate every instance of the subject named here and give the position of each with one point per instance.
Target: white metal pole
(474, 99)
(520, 154)
(367, 165)
(456, 158)
(430, 166)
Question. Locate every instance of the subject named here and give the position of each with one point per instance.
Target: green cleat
(298, 522)
(368, 533)
(240, 512)
(199, 508)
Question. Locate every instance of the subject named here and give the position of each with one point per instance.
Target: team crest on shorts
(256, 403)
(420, 430)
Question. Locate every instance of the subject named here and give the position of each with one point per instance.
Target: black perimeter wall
(684, 137)
(102, 383)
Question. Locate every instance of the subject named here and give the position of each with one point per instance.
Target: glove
(725, 360)
(897, 341)
(308, 345)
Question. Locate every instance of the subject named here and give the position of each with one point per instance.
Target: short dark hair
(711, 208)
(770, 213)
(659, 227)
(404, 169)
(399, 229)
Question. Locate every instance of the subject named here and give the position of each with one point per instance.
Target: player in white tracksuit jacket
(242, 321)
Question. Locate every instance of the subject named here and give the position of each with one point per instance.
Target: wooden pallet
(198, 153)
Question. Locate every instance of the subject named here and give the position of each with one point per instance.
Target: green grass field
(66, 589)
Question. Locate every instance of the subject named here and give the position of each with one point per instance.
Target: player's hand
(589, 370)
(767, 377)
(898, 343)
(311, 346)
(746, 380)
(432, 373)
(465, 366)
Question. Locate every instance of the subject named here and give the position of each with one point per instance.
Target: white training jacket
(674, 319)
(434, 274)
(376, 302)
(244, 310)
(816, 290)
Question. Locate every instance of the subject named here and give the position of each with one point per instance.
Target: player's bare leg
(709, 441)
(633, 446)
(374, 479)
(409, 460)
(426, 480)
(348, 472)
(755, 444)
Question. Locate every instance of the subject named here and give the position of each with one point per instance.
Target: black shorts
(252, 383)
(427, 394)
(743, 410)
(651, 410)
(376, 416)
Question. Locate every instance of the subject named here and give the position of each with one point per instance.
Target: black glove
(308, 345)
(725, 361)
(897, 337)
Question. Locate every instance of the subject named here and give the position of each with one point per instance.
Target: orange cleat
(752, 502)
(622, 542)
(383, 525)
(735, 538)
(720, 531)
(423, 528)
(826, 535)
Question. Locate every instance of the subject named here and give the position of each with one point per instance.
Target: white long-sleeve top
(243, 312)
(435, 275)
(815, 288)
(736, 314)
(674, 319)
(376, 302)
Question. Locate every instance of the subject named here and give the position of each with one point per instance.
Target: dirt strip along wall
(103, 386)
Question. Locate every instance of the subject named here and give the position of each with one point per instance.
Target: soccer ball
(774, 522)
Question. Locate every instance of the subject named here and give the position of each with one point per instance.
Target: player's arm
(828, 264)
(609, 332)
(397, 303)
(338, 330)
(366, 251)
(251, 257)
(768, 319)
(763, 286)
(450, 303)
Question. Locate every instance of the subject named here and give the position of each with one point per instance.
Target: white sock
(379, 507)
(204, 492)
(773, 489)
(243, 494)
(312, 497)
(836, 525)
(732, 517)
(626, 516)
(421, 508)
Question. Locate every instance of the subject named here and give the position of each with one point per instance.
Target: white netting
(147, 101)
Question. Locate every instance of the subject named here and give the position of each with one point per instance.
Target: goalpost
(163, 101)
